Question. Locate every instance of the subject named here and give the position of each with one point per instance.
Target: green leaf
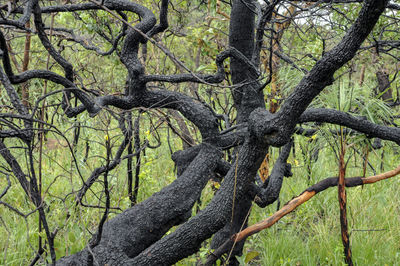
(251, 255)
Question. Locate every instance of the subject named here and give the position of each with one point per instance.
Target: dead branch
(292, 205)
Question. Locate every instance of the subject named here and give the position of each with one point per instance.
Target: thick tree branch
(67, 66)
(271, 188)
(189, 236)
(131, 232)
(278, 128)
(163, 25)
(26, 15)
(194, 111)
(344, 119)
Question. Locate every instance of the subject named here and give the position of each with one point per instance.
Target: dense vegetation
(151, 132)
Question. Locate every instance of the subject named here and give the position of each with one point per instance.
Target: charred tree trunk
(246, 98)
(138, 236)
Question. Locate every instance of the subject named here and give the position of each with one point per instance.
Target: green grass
(308, 236)
(311, 234)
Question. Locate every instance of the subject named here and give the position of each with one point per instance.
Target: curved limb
(344, 119)
(131, 232)
(188, 237)
(269, 192)
(26, 15)
(279, 127)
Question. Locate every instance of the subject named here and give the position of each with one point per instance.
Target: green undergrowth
(311, 234)
(308, 236)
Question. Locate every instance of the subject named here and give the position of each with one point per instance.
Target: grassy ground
(311, 234)
(308, 236)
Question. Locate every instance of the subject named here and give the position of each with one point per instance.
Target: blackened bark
(246, 98)
(188, 237)
(241, 36)
(362, 125)
(278, 128)
(137, 236)
(269, 192)
(136, 137)
(238, 220)
(342, 206)
(135, 229)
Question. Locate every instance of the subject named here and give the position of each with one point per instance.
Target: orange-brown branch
(219, 11)
(293, 204)
(25, 64)
(342, 205)
(289, 207)
(308, 194)
(376, 178)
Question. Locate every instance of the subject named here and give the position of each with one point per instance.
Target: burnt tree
(137, 235)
